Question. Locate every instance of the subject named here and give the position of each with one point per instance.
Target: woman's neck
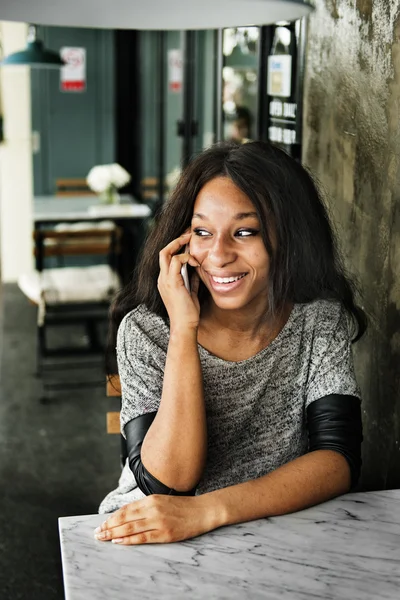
(235, 336)
(250, 324)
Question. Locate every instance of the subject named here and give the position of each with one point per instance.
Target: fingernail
(117, 540)
(97, 530)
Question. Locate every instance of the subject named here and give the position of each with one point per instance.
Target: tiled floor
(55, 460)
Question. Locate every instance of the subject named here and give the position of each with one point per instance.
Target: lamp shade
(155, 14)
(34, 55)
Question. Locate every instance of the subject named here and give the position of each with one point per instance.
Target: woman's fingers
(156, 519)
(127, 529)
(180, 259)
(171, 249)
(121, 516)
(171, 262)
(174, 246)
(174, 270)
(181, 309)
(146, 537)
(139, 522)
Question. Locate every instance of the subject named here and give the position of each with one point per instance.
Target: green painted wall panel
(76, 128)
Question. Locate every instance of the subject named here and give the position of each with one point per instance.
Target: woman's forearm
(303, 482)
(175, 446)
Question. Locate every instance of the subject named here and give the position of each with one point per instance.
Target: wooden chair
(73, 187)
(149, 188)
(72, 295)
(113, 390)
(79, 239)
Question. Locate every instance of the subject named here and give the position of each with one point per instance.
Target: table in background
(48, 209)
(130, 215)
(345, 549)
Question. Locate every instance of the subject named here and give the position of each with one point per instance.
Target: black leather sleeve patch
(135, 431)
(334, 423)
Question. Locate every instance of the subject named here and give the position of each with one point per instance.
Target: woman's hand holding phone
(182, 304)
(185, 272)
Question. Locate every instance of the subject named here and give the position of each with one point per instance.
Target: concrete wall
(16, 185)
(352, 143)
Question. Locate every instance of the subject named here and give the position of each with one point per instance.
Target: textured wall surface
(352, 144)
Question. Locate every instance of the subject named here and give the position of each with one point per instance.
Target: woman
(239, 399)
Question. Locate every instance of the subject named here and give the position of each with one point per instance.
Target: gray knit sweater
(256, 407)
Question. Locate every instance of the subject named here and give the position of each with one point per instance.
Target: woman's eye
(241, 233)
(246, 232)
(201, 232)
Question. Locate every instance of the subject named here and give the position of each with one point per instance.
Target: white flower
(102, 177)
(119, 177)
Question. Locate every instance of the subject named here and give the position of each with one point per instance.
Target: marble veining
(347, 548)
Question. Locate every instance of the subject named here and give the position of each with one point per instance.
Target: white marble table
(345, 549)
(85, 208)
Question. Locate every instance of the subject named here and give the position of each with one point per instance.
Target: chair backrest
(113, 386)
(149, 188)
(73, 187)
(113, 389)
(87, 240)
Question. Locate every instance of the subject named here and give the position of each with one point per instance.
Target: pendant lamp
(155, 14)
(35, 54)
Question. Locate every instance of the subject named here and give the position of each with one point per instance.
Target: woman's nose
(221, 252)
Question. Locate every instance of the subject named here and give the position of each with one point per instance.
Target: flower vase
(110, 195)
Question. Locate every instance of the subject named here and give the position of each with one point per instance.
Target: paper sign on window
(279, 75)
(73, 75)
(175, 70)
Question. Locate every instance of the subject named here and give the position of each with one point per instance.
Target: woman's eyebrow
(246, 215)
(237, 217)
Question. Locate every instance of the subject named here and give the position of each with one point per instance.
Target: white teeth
(227, 279)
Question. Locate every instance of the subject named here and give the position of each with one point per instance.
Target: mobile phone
(184, 271)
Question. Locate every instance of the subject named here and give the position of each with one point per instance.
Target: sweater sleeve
(141, 370)
(331, 365)
(135, 431)
(334, 423)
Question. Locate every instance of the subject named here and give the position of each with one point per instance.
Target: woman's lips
(220, 287)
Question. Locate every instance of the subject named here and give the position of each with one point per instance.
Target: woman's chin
(228, 302)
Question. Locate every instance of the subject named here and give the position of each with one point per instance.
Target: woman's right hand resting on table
(183, 308)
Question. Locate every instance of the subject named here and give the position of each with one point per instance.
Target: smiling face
(227, 242)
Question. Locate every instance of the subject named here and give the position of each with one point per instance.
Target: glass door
(173, 106)
(240, 47)
(178, 104)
